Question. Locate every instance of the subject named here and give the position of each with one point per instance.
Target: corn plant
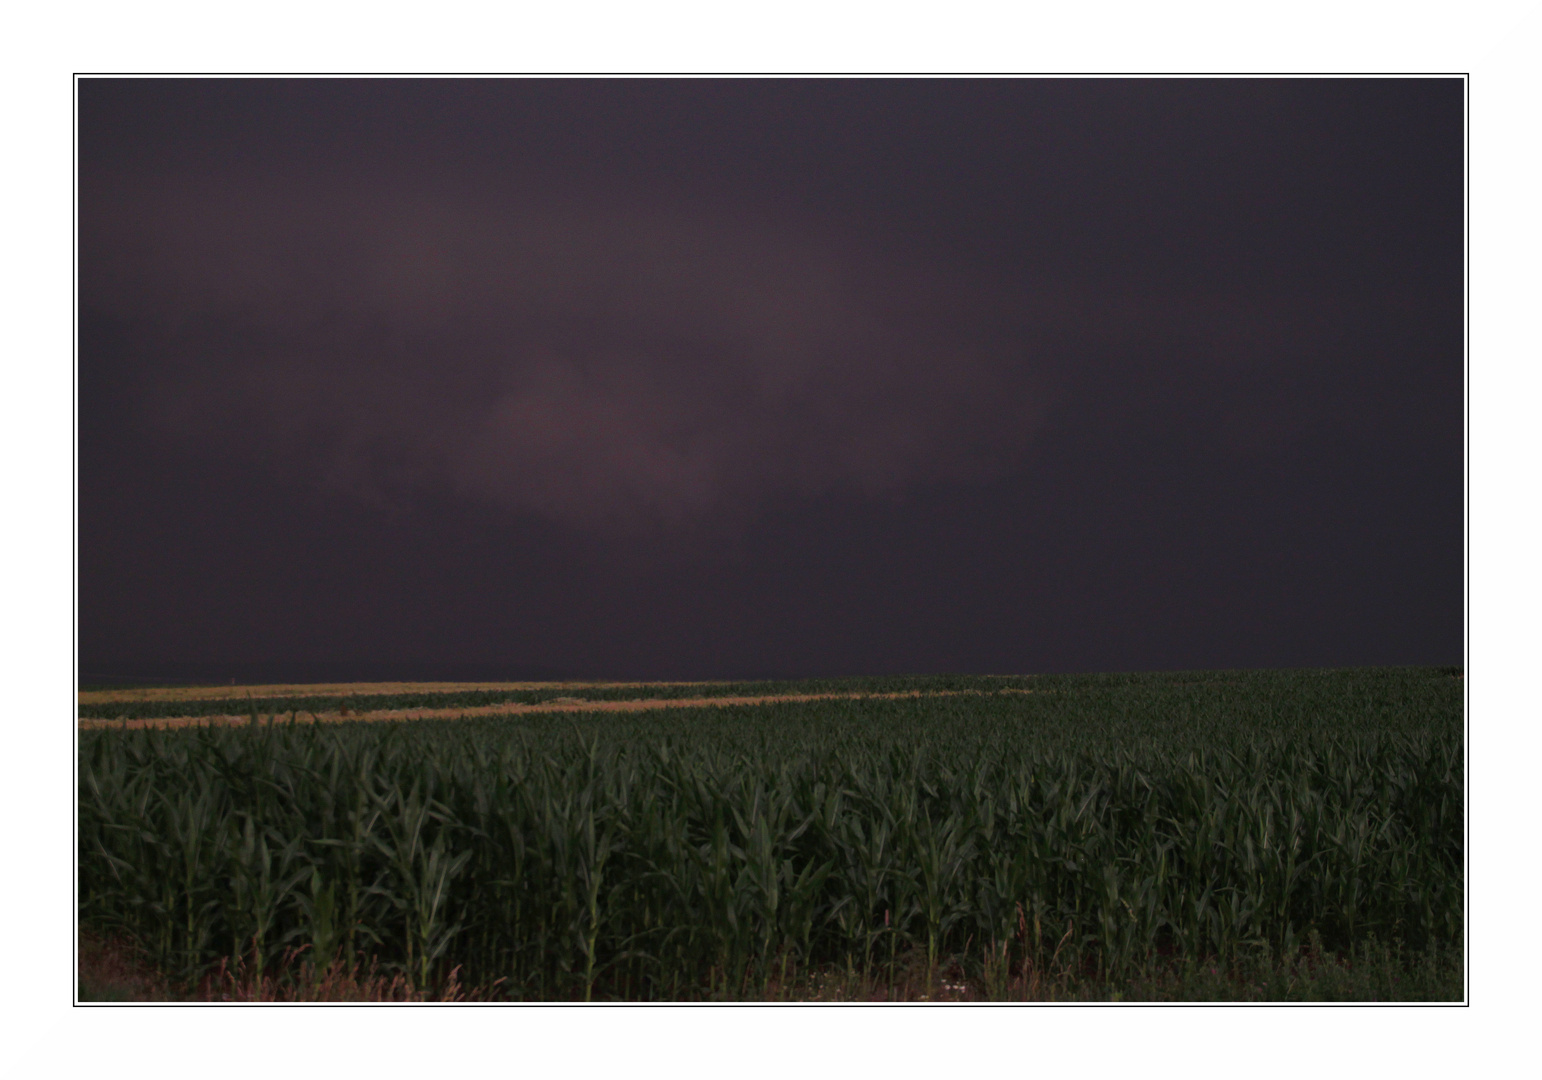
(1099, 828)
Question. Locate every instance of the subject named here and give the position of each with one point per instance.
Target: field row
(264, 691)
(454, 699)
(555, 705)
(381, 698)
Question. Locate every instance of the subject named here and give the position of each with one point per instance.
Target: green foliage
(1108, 826)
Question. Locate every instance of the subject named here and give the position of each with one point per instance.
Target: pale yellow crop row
(198, 693)
(513, 709)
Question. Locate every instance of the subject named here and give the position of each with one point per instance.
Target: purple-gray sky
(737, 378)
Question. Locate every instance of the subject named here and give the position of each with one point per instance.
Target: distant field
(265, 692)
(1249, 835)
(332, 701)
(343, 714)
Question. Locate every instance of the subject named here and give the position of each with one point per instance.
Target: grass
(1372, 973)
(113, 969)
(114, 972)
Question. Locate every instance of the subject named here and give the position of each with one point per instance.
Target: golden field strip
(640, 704)
(272, 690)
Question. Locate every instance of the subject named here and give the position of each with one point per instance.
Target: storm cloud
(593, 361)
(698, 378)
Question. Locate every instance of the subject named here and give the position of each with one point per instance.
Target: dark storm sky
(678, 379)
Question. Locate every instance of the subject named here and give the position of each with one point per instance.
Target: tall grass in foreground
(1109, 836)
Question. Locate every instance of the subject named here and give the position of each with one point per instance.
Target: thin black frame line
(732, 75)
(75, 528)
(1465, 77)
(1467, 535)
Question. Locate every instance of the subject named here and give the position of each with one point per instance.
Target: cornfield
(1103, 825)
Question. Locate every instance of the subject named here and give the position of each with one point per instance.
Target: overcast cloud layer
(591, 361)
(1076, 341)
(602, 362)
